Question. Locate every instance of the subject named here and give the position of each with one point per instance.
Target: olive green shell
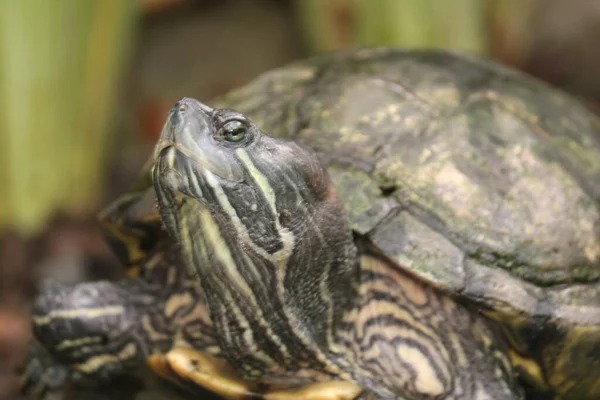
(475, 177)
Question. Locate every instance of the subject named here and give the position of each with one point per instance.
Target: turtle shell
(474, 177)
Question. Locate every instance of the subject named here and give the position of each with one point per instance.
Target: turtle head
(96, 328)
(259, 222)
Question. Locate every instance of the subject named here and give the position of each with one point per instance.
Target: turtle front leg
(413, 340)
(188, 367)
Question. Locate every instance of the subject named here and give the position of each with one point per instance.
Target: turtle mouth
(177, 175)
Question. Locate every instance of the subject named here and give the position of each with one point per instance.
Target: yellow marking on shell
(176, 302)
(77, 313)
(97, 362)
(456, 189)
(333, 390)
(379, 117)
(67, 344)
(592, 251)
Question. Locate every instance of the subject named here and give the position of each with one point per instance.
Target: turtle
(295, 91)
(92, 334)
(421, 223)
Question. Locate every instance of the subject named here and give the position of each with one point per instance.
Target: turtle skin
(96, 334)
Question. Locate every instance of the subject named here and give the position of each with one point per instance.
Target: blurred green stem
(330, 24)
(60, 64)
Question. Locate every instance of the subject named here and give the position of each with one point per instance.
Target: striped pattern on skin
(99, 330)
(283, 282)
(412, 338)
(245, 315)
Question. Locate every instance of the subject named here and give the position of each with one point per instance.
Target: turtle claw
(188, 368)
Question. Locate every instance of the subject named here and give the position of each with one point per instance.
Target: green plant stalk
(60, 61)
(321, 23)
(106, 53)
(509, 20)
(456, 24)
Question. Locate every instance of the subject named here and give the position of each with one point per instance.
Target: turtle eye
(234, 131)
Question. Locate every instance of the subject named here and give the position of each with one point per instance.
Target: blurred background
(85, 86)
